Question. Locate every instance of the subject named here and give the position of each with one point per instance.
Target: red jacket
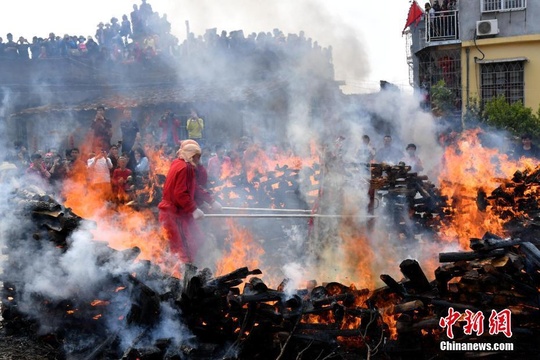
(170, 128)
(118, 174)
(179, 189)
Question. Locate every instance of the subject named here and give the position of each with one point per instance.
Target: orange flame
(99, 303)
(242, 250)
(468, 169)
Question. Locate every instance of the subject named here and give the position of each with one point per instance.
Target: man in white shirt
(99, 175)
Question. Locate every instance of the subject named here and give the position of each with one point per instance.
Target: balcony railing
(443, 26)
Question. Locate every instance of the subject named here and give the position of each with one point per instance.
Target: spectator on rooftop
(165, 25)
(35, 47)
(22, 48)
(125, 29)
(52, 47)
(153, 24)
(145, 12)
(10, 47)
(2, 47)
(136, 23)
(100, 34)
(108, 35)
(43, 52)
(81, 46)
(93, 47)
(115, 26)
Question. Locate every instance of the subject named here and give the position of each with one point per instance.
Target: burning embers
(91, 301)
(134, 310)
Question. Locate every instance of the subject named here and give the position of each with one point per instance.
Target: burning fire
(242, 250)
(99, 303)
(469, 171)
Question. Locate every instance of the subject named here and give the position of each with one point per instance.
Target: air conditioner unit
(487, 27)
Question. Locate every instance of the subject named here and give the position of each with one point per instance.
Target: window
(435, 65)
(502, 5)
(503, 78)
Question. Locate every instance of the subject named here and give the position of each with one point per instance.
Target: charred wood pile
(234, 317)
(413, 203)
(496, 284)
(277, 188)
(137, 311)
(260, 322)
(515, 202)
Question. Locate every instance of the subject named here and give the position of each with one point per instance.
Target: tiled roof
(144, 96)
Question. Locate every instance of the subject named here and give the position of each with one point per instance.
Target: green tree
(515, 117)
(442, 99)
(473, 112)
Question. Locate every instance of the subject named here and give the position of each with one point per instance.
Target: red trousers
(183, 233)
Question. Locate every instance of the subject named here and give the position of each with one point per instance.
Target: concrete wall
(511, 23)
(500, 49)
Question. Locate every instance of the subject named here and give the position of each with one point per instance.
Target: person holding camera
(130, 136)
(170, 128)
(102, 129)
(99, 175)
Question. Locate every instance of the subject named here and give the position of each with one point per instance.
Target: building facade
(481, 49)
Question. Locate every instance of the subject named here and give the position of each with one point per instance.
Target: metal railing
(443, 26)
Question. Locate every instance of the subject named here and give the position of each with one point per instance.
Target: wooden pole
(275, 216)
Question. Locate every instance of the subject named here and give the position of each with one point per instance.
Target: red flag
(415, 14)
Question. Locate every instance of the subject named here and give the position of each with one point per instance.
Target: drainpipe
(467, 79)
(468, 53)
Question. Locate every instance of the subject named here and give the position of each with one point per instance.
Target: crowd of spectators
(121, 172)
(441, 22)
(144, 36)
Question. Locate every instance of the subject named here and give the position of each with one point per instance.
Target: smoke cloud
(344, 250)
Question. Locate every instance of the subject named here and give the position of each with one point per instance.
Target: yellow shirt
(195, 128)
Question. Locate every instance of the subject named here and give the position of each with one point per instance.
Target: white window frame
(502, 88)
(502, 5)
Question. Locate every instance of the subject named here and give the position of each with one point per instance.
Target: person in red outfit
(178, 210)
(218, 163)
(37, 168)
(202, 195)
(120, 181)
(170, 128)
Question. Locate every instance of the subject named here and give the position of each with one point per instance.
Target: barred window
(502, 5)
(436, 65)
(503, 78)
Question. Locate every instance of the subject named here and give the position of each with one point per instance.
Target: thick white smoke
(58, 275)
